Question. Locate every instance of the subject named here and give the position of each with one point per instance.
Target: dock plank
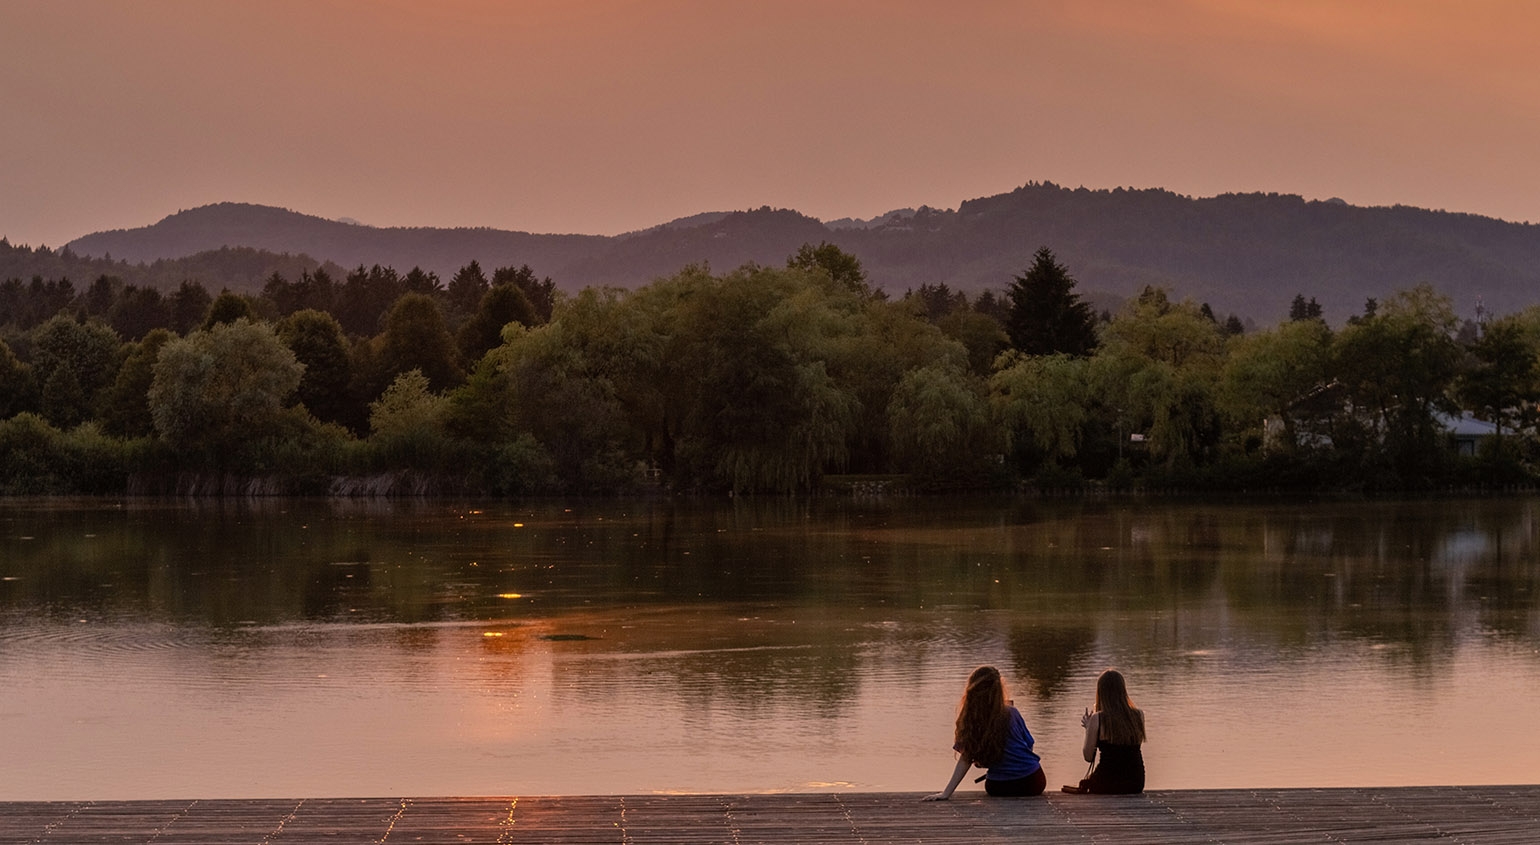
(1478, 815)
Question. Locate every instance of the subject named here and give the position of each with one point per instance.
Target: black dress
(1120, 772)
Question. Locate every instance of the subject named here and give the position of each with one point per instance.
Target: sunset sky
(606, 116)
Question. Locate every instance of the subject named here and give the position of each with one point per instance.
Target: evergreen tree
(125, 408)
(366, 295)
(541, 293)
(189, 306)
(466, 289)
(418, 280)
(1047, 316)
(317, 341)
(416, 338)
(499, 306)
(227, 308)
(1300, 309)
(139, 311)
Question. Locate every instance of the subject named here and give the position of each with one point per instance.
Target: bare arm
(963, 764)
(1093, 726)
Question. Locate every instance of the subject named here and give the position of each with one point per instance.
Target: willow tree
(1158, 371)
(219, 388)
(939, 422)
(1280, 374)
(1043, 403)
(766, 410)
(565, 385)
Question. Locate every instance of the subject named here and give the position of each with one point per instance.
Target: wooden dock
(1468, 814)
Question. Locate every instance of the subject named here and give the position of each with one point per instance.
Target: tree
(226, 309)
(1397, 368)
(1043, 401)
(1157, 372)
(1047, 316)
(994, 306)
(416, 338)
(63, 402)
(541, 293)
(937, 301)
(499, 306)
(15, 383)
(1300, 309)
(418, 280)
(189, 306)
(465, 290)
(845, 269)
(938, 420)
(406, 422)
(1283, 374)
(317, 342)
(983, 336)
(100, 296)
(73, 361)
(366, 295)
(125, 405)
(314, 290)
(139, 311)
(772, 403)
(220, 388)
(1503, 385)
(566, 384)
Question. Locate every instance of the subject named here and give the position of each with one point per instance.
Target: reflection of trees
(751, 675)
(1066, 578)
(1047, 655)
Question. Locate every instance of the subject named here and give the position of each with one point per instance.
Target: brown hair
(1121, 722)
(981, 718)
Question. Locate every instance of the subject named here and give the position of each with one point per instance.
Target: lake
(222, 649)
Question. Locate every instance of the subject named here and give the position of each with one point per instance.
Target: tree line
(760, 379)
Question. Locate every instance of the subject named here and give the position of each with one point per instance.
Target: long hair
(981, 718)
(1121, 721)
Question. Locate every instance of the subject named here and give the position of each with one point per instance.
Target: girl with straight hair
(992, 735)
(1116, 729)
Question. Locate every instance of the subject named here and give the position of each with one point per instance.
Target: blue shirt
(1017, 761)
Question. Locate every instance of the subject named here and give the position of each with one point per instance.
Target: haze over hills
(1247, 254)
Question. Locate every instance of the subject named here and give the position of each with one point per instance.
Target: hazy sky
(600, 117)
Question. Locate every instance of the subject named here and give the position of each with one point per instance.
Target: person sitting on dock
(992, 735)
(1117, 730)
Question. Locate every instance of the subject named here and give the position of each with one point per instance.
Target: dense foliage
(761, 379)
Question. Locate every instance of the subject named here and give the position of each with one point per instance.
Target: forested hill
(348, 244)
(237, 268)
(1243, 253)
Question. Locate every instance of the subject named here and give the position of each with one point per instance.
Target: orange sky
(608, 115)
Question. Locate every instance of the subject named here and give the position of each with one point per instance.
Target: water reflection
(651, 637)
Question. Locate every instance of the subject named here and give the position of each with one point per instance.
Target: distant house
(1465, 431)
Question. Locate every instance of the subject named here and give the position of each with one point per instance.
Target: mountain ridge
(1244, 253)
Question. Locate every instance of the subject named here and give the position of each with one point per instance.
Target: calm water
(159, 650)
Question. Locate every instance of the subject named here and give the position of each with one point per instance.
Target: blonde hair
(981, 718)
(1121, 722)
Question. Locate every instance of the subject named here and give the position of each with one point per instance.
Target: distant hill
(1247, 254)
(348, 244)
